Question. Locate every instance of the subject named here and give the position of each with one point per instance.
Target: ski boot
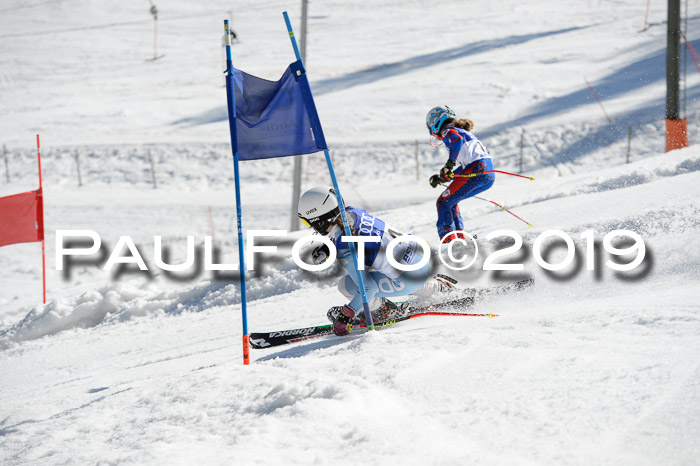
(454, 235)
(343, 322)
(386, 312)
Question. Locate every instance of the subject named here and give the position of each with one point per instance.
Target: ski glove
(446, 172)
(341, 324)
(320, 254)
(444, 176)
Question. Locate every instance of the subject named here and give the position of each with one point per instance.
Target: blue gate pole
(234, 147)
(341, 204)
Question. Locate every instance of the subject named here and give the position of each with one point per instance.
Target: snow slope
(589, 367)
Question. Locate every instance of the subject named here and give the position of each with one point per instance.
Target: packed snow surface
(587, 367)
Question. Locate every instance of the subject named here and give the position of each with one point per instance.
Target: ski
(473, 294)
(284, 337)
(504, 288)
(263, 340)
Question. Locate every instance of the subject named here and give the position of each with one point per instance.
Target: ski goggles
(321, 223)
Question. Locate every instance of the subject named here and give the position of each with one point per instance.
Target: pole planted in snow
(304, 29)
(296, 184)
(41, 227)
(154, 12)
(417, 163)
(239, 213)
(646, 17)
(7, 167)
(76, 155)
(522, 149)
(676, 127)
(629, 143)
(311, 106)
(296, 194)
(211, 228)
(153, 169)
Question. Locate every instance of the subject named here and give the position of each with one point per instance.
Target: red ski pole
(499, 205)
(471, 175)
(460, 314)
(493, 202)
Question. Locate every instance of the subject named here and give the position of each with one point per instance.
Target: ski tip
(448, 278)
(492, 315)
(532, 178)
(529, 224)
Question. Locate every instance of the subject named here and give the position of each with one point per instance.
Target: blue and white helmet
(436, 117)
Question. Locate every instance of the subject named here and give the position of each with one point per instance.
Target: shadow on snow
(384, 71)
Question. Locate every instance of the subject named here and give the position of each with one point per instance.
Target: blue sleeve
(343, 248)
(362, 224)
(454, 142)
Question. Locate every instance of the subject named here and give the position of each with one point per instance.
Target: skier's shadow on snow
(303, 350)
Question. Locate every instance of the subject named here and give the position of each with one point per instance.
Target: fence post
(7, 168)
(296, 194)
(522, 147)
(154, 12)
(77, 166)
(304, 28)
(211, 229)
(629, 143)
(417, 163)
(646, 17)
(153, 169)
(223, 57)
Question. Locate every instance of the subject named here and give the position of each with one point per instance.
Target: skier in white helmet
(318, 208)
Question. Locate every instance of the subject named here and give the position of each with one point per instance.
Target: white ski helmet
(436, 117)
(318, 208)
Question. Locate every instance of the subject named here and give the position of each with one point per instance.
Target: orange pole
(676, 127)
(246, 350)
(676, 134)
